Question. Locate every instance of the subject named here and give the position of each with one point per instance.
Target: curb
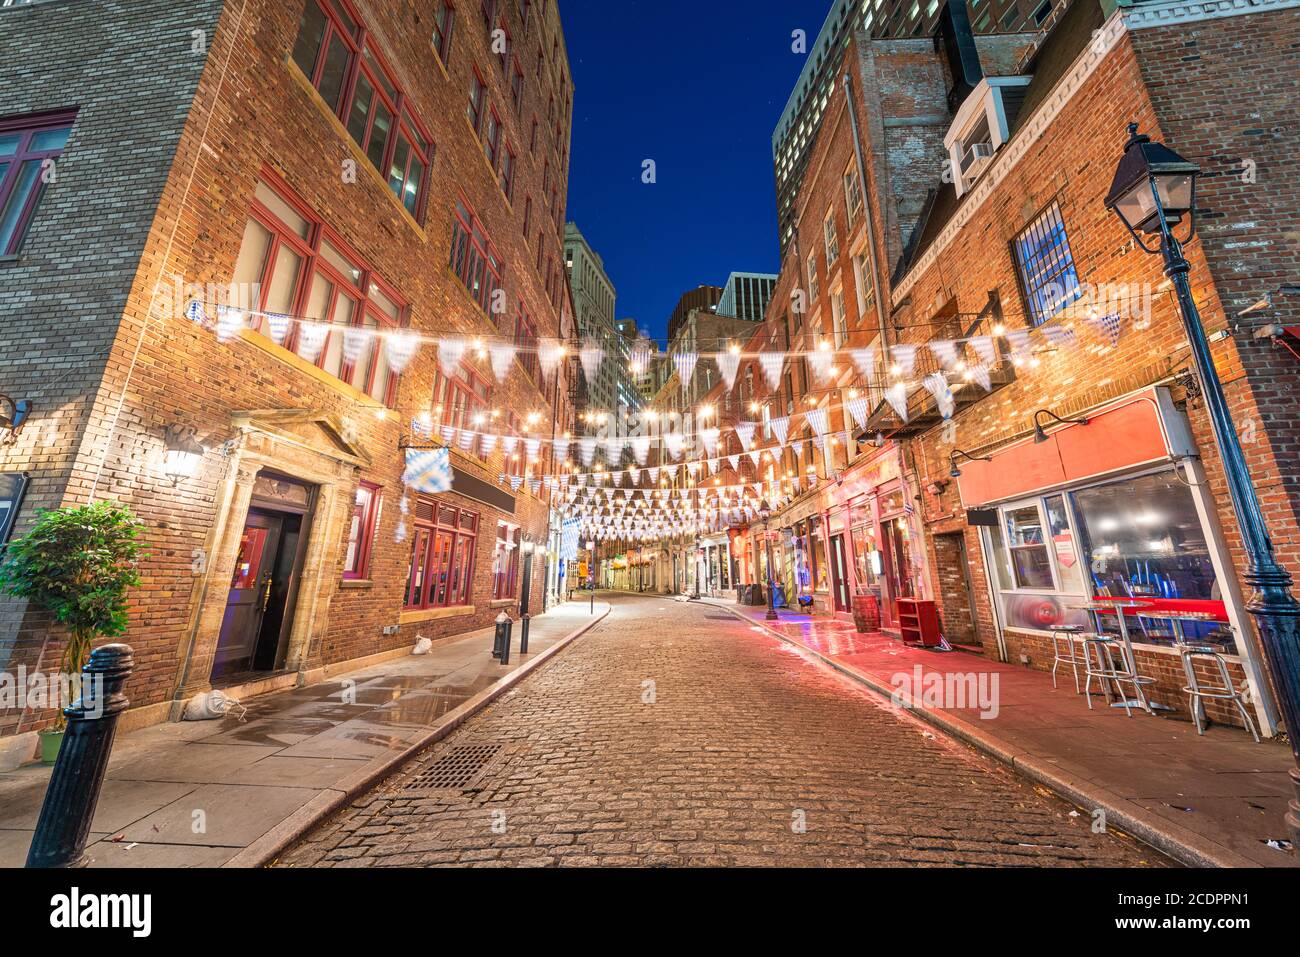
(1184, 846)
(275, 841)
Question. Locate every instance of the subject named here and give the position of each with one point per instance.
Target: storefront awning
(1139, 429)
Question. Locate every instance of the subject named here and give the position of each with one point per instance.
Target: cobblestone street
(674, 734)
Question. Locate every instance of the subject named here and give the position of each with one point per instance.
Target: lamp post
(591, 573)
(1153, 191)
(766, 512)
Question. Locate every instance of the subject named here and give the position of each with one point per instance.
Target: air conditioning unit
(975, 159)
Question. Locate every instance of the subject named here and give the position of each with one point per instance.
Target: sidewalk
(231, 792)
(1212, 800)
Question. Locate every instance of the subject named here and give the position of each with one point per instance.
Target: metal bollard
(501, 639)
(73, 792)
(524, 622)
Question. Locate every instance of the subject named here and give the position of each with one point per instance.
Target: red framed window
(505, 562)
(29, 148)
(546, 177)
(528, 214)
(302, 267)
(334, 52)
(477, 99)
(508, 172)
(361, 532)
(532, 137)
(489, 12)
(442, 555)
(517, 86)
(492, 138)
(463, 399)
(503, 55)
(473, 257)
(444, 21)
(526, 344)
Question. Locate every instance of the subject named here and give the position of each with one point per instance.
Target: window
(443, 21)
(489, 12)
(442, 556)
(528, 214)
(29, 148)
(505, 562)
(1031, 564)
(301, 267)
(463, 399)
(532, 137)
(361, 531)
(503, 47)
(838, 321)
(517, 87)
(477, 95)
(508, 173)
(813, 290)
(492, 138)
(526, 344)
(1047, 274)
(474, 259)
(852, 194)
(832, 240)
(333, 52)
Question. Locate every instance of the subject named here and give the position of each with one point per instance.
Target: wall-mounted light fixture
(13, 413)
(952, 461)
(184, 453)
(1040, 434)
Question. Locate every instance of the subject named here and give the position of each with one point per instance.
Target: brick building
(1008, 289)
(343, 185)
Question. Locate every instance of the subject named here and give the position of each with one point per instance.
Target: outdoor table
(1116, 606)
(1178, 617)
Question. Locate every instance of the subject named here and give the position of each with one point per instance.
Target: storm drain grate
(455, 769)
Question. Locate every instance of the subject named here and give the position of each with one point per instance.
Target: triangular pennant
(745, 432)
(865, 360)
(549, 354)
(985, 348)
(450, 353)
(818, 420)
(981, 375)
(311, 339)
(503, 359)
(945, 350)
(860, 409)
(905, 357)
(896, 396)
(399, 350)
(781, 428)
(355, 340)
(591, 357)
(729, 366)
(685, 362)
(773, 364)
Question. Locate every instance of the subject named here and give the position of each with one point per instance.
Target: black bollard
(505, 627)
(73, 792)
(524, 622)
(500, 637)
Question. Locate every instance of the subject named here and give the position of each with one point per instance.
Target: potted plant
(77, 564)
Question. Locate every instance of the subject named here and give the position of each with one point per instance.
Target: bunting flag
(588, 446)
(755, 455)
(277, 325)
(821, 361)
(549, 355)
(1018, 340)
(467, 439)
(672, 472)
(896, 396)
(734, 461)
(591, 355)
(945, 350)
(510, 443)
(745, 432)
(905, 356)
(532, 447)
(535, 485)
(503, 359)
(781, 428)
(355, 340)
(798, 448)
(515, 482)
(641, 448)
(985, 348)
(937, 385)
(448, 433)
(729, 366)
(399, 350)
(865, 360)
(561, 449)
(654, 476)
(450, 353)
(1111, 326)
(773, 364)
(674, 442)
(684, 362)
(489, 442)
(311, 340)
(981, 375)
(709, 438)
(1059, 336)
(428, 471)
(230, 322)
(860, 409)
(818, 420)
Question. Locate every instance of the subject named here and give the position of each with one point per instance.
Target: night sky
(698, 87)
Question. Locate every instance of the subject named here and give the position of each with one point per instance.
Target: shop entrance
(898, 564)
(840, 574)
(955, 591)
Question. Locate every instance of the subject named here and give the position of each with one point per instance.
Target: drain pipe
(866, 212)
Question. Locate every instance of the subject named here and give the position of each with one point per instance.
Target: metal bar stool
(1197, 692)
(1105, 661)
(1066, 649)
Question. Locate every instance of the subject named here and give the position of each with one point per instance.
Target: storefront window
(817, 555)
(1030, 560)
(866, 558)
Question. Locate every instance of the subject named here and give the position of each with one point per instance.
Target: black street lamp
(766, 512)
(1153, 191)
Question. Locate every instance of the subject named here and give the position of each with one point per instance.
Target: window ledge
(356, 583)
(503, 603)
(435, 614)
(12, 258)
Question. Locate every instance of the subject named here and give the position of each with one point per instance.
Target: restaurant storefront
(1114, 509)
